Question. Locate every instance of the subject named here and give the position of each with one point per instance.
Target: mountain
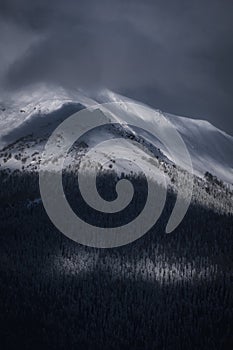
(38, 112)
(162, 291)
(210, 149)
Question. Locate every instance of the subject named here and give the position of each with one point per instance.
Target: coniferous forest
(163, 291)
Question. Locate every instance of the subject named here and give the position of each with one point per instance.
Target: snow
(210, 149)
(21, 108)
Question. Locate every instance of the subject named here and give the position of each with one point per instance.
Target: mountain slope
(37, 113)
(210, 148)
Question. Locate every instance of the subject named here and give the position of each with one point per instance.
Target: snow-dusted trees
(161, 292)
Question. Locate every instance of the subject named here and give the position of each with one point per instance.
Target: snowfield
(34, 114)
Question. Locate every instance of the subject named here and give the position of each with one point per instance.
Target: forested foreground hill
(164, 291)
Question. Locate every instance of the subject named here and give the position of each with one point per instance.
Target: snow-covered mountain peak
(210, 149)
(34, 102)
(41, 108)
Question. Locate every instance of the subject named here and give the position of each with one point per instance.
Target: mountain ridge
(210, 148)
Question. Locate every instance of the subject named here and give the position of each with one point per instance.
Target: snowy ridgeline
(29, 120)
(37, 112)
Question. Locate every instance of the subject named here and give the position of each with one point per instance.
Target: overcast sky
(175, 55)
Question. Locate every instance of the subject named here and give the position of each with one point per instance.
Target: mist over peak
(174, 56)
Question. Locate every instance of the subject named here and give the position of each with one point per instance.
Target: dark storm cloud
(175, 55)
